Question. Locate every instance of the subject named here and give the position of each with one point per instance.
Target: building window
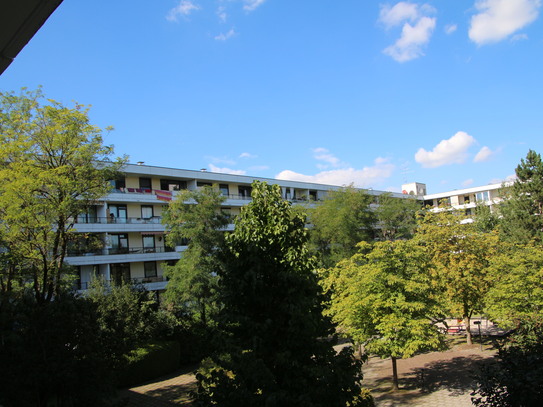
(119, 243)
(145, 183)
(244, 191)
(150, 269)
(117, 214)
(120, 273)
(118, 184)
(312, 195)
(466, 199)
(223, 188)
(172, 185)
(148, 243)
(147, 211)
(482, 196)
(88, 217)
(203, 184)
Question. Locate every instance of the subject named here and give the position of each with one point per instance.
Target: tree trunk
(394, 374)
(468, 330)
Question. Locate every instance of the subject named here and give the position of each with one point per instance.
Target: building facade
(122, 236)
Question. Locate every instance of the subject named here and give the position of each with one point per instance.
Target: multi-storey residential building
(124, 235)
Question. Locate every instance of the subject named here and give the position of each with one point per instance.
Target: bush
(150, 361)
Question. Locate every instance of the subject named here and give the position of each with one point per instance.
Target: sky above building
(377, 94)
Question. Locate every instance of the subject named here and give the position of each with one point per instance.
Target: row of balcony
(118, 250)
(113, 220)
(135, 281)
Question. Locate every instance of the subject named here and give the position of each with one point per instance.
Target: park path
(433, 379)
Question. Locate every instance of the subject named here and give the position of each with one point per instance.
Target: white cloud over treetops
(225, 170)
(484, 154)
(498, 19)
(329, 160)
(417, 29)
(362, 178)
(184, 8)
(450, 151)
(450, 28)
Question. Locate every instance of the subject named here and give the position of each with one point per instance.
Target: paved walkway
(435, 379)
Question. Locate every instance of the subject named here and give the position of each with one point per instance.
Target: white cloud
(184, 8)
(410, 45)
(484, 154)
(225, 170)
(247, 155)
(221, 13)
(402, 11)
(220, 160)
(498, 19)
(322, 154)
(225, 36)
(362, 178)
(509, 178)
(451, 151)
(450, 28)
(467, 182)
(417, 28)
(251, 5)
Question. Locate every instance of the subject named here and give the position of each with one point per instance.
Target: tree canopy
(382, 297)
(276, 347)
(54, 165)
(343, 219)
(195, 217)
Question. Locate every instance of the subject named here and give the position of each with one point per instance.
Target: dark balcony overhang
(19, 21)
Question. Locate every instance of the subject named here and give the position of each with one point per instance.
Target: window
(312, 195)
(146, 211)
(117, 214)
(172, 185)
(88, 217)
(120, 273)
(244, 192)
(150, 268)
(148, 243)
(119, 243)
(481, 196)
(203, 184)
(223, 188)
(118, 184)
(145, 183)
(466, 199)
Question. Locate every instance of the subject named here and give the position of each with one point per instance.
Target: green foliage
(149, 361)
(196, 217)
(460, 259)
(522, 211)
(53, 166)
(396, 217)
(342, 220)
(382, 297)
(276, 346)
(517, 290)
(516, 380)
(126, 316)
(52, 352)
(485, 220)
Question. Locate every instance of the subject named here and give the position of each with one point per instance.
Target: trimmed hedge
(150, 361)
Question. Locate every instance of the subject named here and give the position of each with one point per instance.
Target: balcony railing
(135, 281)
(119, 250)
(114, 220)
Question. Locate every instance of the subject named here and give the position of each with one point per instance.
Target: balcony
(149, 283)
(110, 224)
(123, 255)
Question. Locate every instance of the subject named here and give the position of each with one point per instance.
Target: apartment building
(461, 199)
(123, 235)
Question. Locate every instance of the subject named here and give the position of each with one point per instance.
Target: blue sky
(444, 92)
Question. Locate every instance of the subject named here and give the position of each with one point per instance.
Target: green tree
(517, 290)
(485, 220)
(195, 217)
(460, 259)
(522, 211)
(382, 297)
(516, 380)
(53, 166)
(276, 344)
(343, 219)
(396, 217)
